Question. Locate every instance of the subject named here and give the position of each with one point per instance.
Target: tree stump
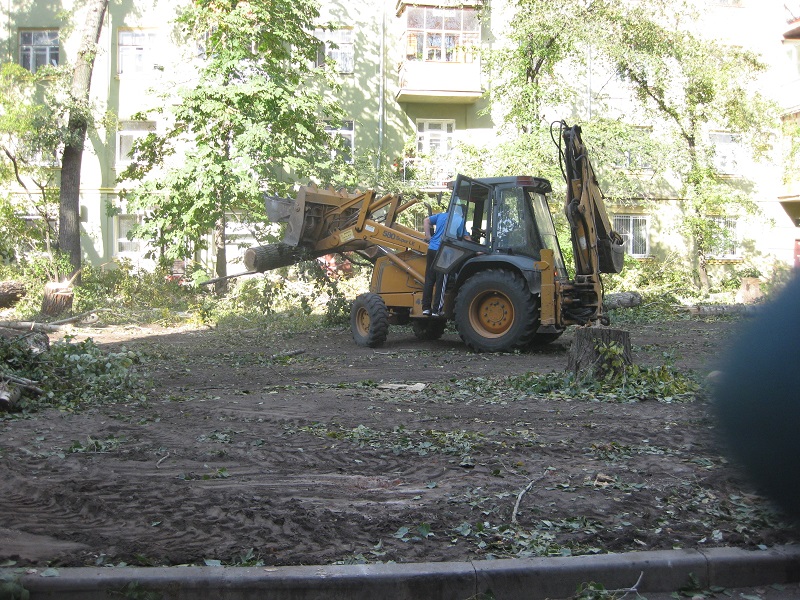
(11, 292)
(587, 354)
(57, 299)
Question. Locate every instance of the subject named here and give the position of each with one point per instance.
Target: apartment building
(412, 86)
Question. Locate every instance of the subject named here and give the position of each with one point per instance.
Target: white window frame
(123, 246)
(127, 133)
(728, 152)
(337, 45)
(435, 136)
(137, 51)
(792, 65)
(435, 34)
(634, 159)
(627, 226)
(346, 131)
(732, 245)
(37, 48)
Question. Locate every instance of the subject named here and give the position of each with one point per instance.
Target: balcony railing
(792, 12)
(432, 173)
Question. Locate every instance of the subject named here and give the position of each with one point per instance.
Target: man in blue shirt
(437, 222)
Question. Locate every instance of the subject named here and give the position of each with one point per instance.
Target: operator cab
(498, 215)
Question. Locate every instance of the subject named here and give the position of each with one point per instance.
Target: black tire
(429, 329)
(369, 320)
(495, 312)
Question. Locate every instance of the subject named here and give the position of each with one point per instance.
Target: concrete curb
(508, 579)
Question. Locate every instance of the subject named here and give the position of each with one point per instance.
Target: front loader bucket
(287, 210)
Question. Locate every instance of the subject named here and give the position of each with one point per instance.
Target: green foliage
(31, 133)
(683, 83)
(11, 588)
(400, 440)
(256, 114)
(662, 282)
(73, 374)
(616, 382)
(126, 291)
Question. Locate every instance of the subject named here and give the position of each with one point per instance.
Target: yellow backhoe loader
(507, 286)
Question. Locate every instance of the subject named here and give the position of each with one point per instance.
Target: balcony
(431, 174)
(439, 82)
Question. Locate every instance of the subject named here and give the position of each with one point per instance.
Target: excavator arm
(597, 248)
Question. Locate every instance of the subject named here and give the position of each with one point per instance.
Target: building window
(635, 230)
(38, 48)
(126, 243)
(338, 46)
(725, 237)
(441, 34)
(128, 132)
(727, 152)
(633, 154)
(137, 52)
(346, 132)
(435, 136)
(792, 64)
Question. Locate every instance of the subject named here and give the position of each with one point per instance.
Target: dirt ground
(303, 448)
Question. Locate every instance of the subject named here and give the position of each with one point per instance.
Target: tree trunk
(11, 292)
(587, 353)
(57, 299)
(258, 259)
(621, 300)
(69, 231)
(221, 286)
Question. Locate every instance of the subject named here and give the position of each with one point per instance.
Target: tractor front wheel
(369, 320)
(495, 311)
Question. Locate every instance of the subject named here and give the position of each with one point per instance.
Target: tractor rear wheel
(495, 311)
(369, 320)
(428, 329)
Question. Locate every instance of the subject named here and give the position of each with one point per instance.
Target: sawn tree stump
(586, 354)
(57, 299)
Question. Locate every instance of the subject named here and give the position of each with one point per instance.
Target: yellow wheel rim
(362, 321)
(491, 314)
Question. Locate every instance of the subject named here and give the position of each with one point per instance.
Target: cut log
(622, 300)
(9, 396)
(57, 299)
(11, 292)
(265, 258)
(586, 354)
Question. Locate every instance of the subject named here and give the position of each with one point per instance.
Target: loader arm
(326, 221)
